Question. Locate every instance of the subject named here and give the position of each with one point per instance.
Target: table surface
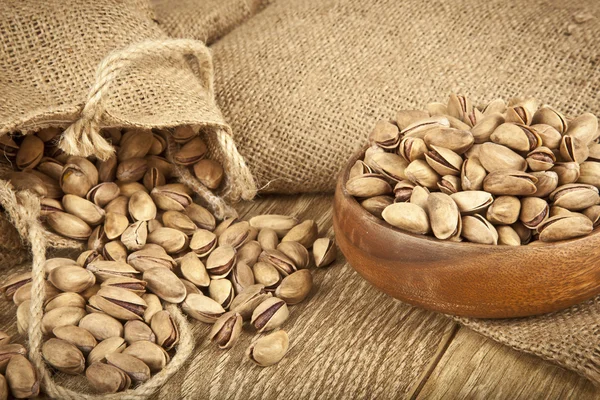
(348, 340)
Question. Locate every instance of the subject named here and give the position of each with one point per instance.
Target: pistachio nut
(267, 275)
(226, 330)
(63, 356)
(584, 128)
(368, 158)
(137, 370)
(461, 108)
(165, 329)
(220, 262)
(103, 193)
(192, 269)
(53, 189)
(141, 207)
(486, 126)
(472, 174)
(510, 182)
(24, 292)
(61, 316)
(295, 252)
(476, 229)
(48, 206)
(135, 331)
(180, 221)
(161, 164)
(435, 108)
(154, 224)
(51, 168)
(91, 291)
(221, 291)
(419, 197)
(268, 239)
(7, 351)
(412, 148)
(97, 239)
(456, 140)
(406, 216)
(280, 261)
(127, 189)
(550, 136)
(568, 172)
(135, 236)
(524, 233)
(202, 308)
(269, 349)
(190, 287)
(517, 137)
(165, 284)
(111, 269)
(562, 227)
(249, 253)
(115, 225)
(4, 338)
(3, 388)
(170, 239)
(444, 216)
(405, 118)
(508, 236)
(541, 159)
(593, 213)
(27, 181)
(385, 135)
(420, 128)
(494, 157)
(55, 262)
(236, 234)
(390, 165)
(209, 172)
(549, 116)
(296, 287)
(8, 146)
(22, 378)
(518, 114)
(421, 173)
(201, 216)
(449, 184)
(110, 345)
(403, 190)
(270, 314)
(69, 225)
(594, 152)
(376, 205)
(154, 306)
(473, 201)
(13, 283)
(118, 206)
(184, 133)
(78, 177)
(368, 186)
(106, 378)
(115, 251)
(191, 152)
(281, 224)
(575, 196)
(324, 252)
(153, 178)
(171, 197)
(505, 210)
(150, 256)
(589, 172)
(77, 336)
(359, 168)
(154, 356)
(30, 152)
(444, 161)
(71, 278)
(534, 211)
(134, 143)
(242, 276)
(131, 170)
(101, 326)
(573, 149)
(120, 303)
(107, 169)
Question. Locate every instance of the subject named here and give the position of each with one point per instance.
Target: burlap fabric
(203, 20)
(87, 65)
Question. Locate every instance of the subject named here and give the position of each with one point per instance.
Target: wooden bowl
(464, 279)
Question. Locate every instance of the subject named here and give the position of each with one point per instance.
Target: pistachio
(368, 186)
(135, 331)
(184, 133)
(71, 278)
(477, 229)
(118, 206)
(78, 176)
(459, 141)
(583, 128)
(53, 189)
(77, 336)
(269, 349)
(220, 262)
(376, 205)
(27, 181)
(8, 351)
(280, 261)
(137, 370)
(246, 301)
(48, 206)
(170, 239)
(13, 283)
(111, 269)
(270, 314)
(101, 326)
(127, 189)
(541, 159)
(281, 224)
(115, 251)
(154, 224)
(226, 330)
(420, 128)
(163, 326)
(69, 225)
(153, 306)
(161, 164)
(134, 143)
(135, 236)
(202, 308)
(159, 145)
(191, 152)
(103, 193)
(242, 276)
(573, 149)
(201, 216)
(297, 253)
(221, 291)
(504, 210)
(549, 116)
(436, 108)
(165, 284)
(568, 172)
(63, 356)
(593, 213)
(518, 114)
(405, 118)
(209, 172)
(236, 235)
(550, 136)
(494, 157)
(50, 167)
(150, 256)
(516, 137)
(3, 388)
(52, 263)
(324, 252)
(249, 253)
(412, 148)
(180, 221)
(524, 233)
(575, 196)
(8, 147)
(419, 197)
(562, 227)
(461, 108)
(359, 168)
(444, 161)
(153, 178)
(97, 239)
(534, 211)
(385, 135)
(61, 316)
(120, 303)
(449, 184)
(444, 216)
(406, 216)
(403, 190)
(105, 378)
(486, 126)
(107, 169)
(171, 197)
(154, 356)
(510, 182)
(132, 170)
(22, 378)
(422, 174)
(115, 225)
(110, 345)
(508, 236)
(266, 274)
(24, 292)
(192, 269)
(589, 174)
(268, 239)
(30, 153)
(296, 287)
(141, 207)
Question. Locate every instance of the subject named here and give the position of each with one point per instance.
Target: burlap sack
(203, 20)
(89, 65)
(303, 83)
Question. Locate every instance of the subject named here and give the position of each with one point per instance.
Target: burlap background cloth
(304, 81)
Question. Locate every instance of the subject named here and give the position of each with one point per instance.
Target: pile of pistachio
(508, 174)
(151, 245)
(18, 377)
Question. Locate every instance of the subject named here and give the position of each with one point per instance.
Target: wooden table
(350, 341)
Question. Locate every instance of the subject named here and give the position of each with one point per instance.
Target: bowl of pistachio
(481, 211)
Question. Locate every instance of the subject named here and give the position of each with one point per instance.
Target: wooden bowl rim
(357, 208)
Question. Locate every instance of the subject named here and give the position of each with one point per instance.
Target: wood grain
(466, 279)
(474, 367)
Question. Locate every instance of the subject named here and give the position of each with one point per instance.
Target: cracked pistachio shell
(193, 269)
(221, 291)
(191, 152)
(22, 378)
(97, 239)
(407, 216)
(115, 225)
(368, 186)
(13, 283)
(266, 274)
(486, 126)
(154, 356)
(549, 116)
(7, 351)
(584, 128)
(444, 161)
(165, 284)
(48, 206)
(249, 253)
(118, 206)
(131, 170)
(295, 287)
(444, 216)
(135, 236)
(115, 250)
(405, 118)
(202, 308)
(160, 163)
(106, 378)
(137, 370)
(30, 152)
(420, 128)
(78, 177)
(111, 269)
(270, 314)
(71, 278)
(573, 149)
(154, 306)
(66, 299)
(150, 256)
(562, 227)
(27, 181)
(459, 141)
(472, 174)
(209, 172)
(508, 236)
(575, 196)
(226, 330)
(550, 136)
(422, 174)
(403, 190)
(280, 261)
(593, 213)
(504, 210)
(449, 184)
(281, 224)
(180, 221)
(462, 108)
(589, 173)
(134, 143)
(135, 330)
(120, 303)
(324, 252)
(203, 242)
(472, 201)
(376, 205)
(359, 168)
(534, 211)
(184, 133)
(220, 262)
(141, 207)
(171, 197)
(172, 240)
(165, 329)
(419, 197)
(541, 159)
(295, 252)
(516, 137)
(236, 235)
(269, 349)
(246, 301)
(518, 114)
(63, 356)
(510, 182)
(477, 229)
(304, 233)
(101, 326)
(107, 169)
(153, 178)
(69, 225)
(242, 276)
(570, 172)
(61, 316)
(385, 135)
(494, 157)
(390, 165)
(412, 148)
(77, 336)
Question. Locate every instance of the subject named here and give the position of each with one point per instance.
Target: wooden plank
(474, 367)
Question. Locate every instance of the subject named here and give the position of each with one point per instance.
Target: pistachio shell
(106, 378)
(269, 349)
(137, 370)
(154, 356)
(510, 182)
(77, 336)
(202, 308)
(549, 116)
(101, 326)
(456, 140)
(266, 274)
(209, 172)
(477, 229)
(63, 356)
(541, 159)
(405, 118)
(270, 314)
(141, 207)
(296, 287)
(575, 196)
(534, 211)
(407, 216)
(508, 236)
(472, 174)
(172, 240)
(203, 242)
(562, 227)
(69, 225)
(165, 284)
(385, 134)
(573, 149)
(444, 216)
(390, 165)
(422, 174)
(60, 317)
(71, 278)
(163, 326)
(412, 148)
(504, 210)
(494, 157)
(472, 201)
(589, 172)
(135, 331)
(226, 330)
(517, 137)
(22, 378)
(220, 262)
(192, 269)
(135, 143)
(279, 223)
(584, 128)
(180, 221)
(549, 135)
(484, 128)
(221, 291)
(420, 128)
(444, 161)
